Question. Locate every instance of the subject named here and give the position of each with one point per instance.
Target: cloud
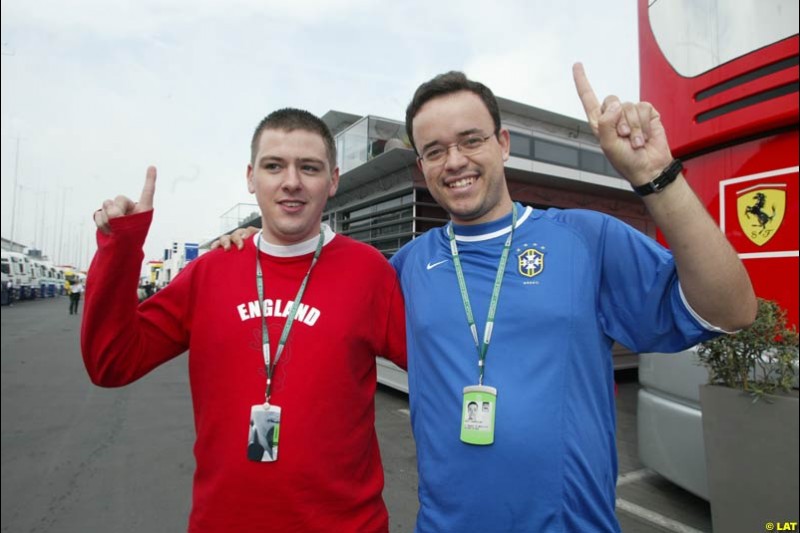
(96, 90)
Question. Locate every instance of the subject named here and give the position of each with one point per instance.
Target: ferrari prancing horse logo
(531, 262)
(761, 210)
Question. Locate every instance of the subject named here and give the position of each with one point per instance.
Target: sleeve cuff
(700, 320)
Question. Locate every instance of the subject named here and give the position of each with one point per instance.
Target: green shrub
(761, 359)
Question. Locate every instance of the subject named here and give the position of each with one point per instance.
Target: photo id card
(262, 440)
(477, 416)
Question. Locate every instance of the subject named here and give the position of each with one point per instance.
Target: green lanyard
(487, 333)
(268, 363)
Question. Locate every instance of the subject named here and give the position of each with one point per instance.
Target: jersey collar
(489, 230)
(293, 250)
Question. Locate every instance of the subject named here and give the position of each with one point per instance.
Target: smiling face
(292, 179)
(471, 188)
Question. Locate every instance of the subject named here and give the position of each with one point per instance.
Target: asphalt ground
(79, 458)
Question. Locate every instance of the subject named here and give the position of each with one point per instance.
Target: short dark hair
(289, 119)
(448, 83)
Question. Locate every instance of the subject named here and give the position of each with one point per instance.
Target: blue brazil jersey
(575, 281)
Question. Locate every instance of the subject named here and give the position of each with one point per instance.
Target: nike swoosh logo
(434, 265)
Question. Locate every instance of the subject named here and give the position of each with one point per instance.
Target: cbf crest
(530, 260)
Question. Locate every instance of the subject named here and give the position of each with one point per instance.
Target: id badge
(477, 416)
(262, 440)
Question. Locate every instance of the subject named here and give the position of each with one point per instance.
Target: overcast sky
(93, 91)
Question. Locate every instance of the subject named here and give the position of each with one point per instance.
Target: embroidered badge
(530, 262)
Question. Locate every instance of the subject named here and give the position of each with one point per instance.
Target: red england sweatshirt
(328, 476)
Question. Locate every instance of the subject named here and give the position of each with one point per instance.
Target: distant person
(284, 333)
(145, 291)
(75, 290)
(12, 292)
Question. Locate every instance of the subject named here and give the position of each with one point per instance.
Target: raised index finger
(591, 105)
(149, 190)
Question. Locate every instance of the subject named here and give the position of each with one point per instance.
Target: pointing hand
(631, 134)
(122, 205)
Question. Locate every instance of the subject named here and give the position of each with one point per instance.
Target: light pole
(67, 190)
(80, 246)
(14, 197)
(7, 51)
(52, 253)
(38, 220)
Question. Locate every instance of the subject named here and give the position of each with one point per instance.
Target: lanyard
(268, 363)
(487, 333)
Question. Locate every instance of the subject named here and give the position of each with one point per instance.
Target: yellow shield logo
(531, 262)
(761, 211)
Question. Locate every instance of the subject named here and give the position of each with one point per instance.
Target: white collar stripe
(498, 233)
(293, 250)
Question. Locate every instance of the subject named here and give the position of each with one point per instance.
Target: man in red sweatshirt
(278, 337)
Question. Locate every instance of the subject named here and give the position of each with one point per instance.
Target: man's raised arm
(712, 277)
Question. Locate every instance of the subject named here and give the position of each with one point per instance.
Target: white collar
(494, 234)
(292, 250)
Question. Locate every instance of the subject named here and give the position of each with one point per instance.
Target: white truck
(20, 275)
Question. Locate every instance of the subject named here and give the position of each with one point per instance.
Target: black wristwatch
(661, 181)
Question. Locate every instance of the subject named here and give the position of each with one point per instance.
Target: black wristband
(661, 181)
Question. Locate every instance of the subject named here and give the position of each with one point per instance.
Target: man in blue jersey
(537, 331)
(518, 308)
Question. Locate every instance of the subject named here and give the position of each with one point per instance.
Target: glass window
(359, 235)
(593, 162)
(381, 131)
(353, 146)
(379, 206)
(520, 145)
(391, 216)
(556, 153)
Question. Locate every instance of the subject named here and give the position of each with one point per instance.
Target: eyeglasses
(469, 145)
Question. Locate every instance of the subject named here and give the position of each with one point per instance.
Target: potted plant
(750, 424)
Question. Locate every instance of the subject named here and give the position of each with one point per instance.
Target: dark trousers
(74, 298)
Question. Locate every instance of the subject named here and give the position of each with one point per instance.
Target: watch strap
(661, 181)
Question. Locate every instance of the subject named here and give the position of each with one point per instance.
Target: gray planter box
(752, 459)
